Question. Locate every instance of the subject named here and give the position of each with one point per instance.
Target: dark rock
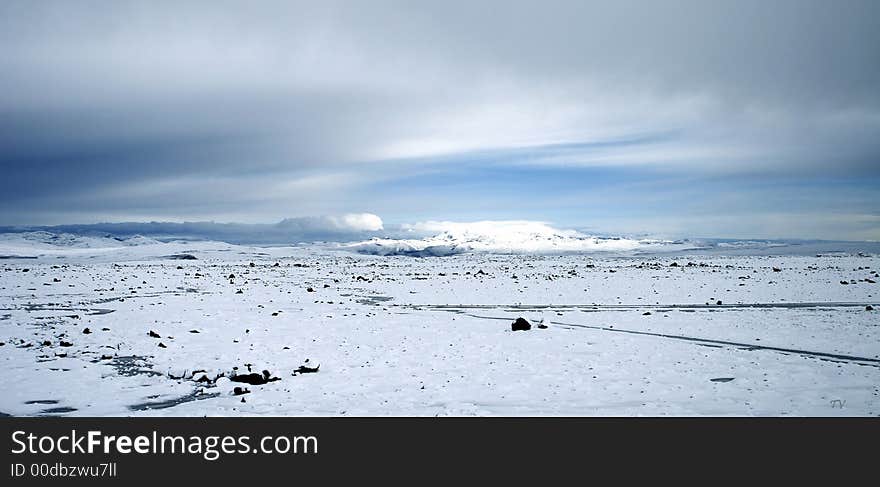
(303, 369)
(542, 326)
(162, 345)
(844, 282)
(310, 289)
(254, 379)
(86, 331)
(722, 379)
(674, 264)
(239, 292)
(869, 308)
(646, 313)
(47, 343)
(776, 269)
(231, 276)
(153, 334)
(181, 257)
(238, 391)
(718, 302)
(520, 325)
(65, 344)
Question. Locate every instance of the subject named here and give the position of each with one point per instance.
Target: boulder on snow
(255, 379)
(520, 325)
(305, 369)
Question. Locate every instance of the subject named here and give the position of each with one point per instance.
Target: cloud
(115, 110)
(353, 222)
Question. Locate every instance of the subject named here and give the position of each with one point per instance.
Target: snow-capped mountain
(49, 240)
(506, 237)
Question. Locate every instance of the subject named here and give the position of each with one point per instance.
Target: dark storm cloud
(261, 110)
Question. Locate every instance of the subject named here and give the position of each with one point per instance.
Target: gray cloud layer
(261, 110)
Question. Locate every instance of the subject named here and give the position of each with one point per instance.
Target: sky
(729, 119)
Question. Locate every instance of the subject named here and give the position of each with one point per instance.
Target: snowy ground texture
(137, 327)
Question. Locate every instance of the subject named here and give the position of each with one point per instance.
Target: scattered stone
(844, 282)
(718, 302)
(542, 326)
(86, 331)
(231, 276)
(106, 357)
(194, 331)
(646, 313)
(869, 308)
(520, 325)
(47, 343)
(310, 289)
(65, 344)
(105, 329)
(239, 292)
(777, 269)
(674, 264)
(722, 379)
(238, 391)
(153, 334)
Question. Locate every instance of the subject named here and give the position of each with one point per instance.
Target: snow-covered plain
(650, 328)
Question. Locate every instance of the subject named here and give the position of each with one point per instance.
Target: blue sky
(741, 119)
